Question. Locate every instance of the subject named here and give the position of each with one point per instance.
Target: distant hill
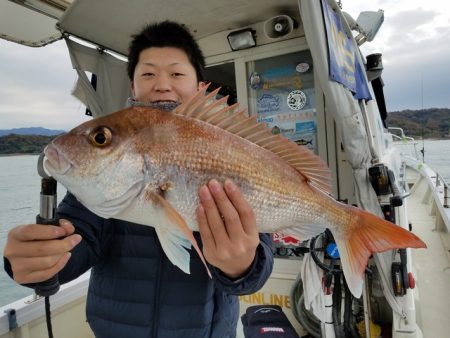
(23, 144)
(429, 123)
(31, 131)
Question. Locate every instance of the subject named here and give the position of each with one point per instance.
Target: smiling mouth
(163, 101)
(165, 105)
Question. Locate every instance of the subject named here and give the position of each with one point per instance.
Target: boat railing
(440, 180)
(407, 147)
(405, 144)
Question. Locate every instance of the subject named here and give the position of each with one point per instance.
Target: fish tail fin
(369, 234)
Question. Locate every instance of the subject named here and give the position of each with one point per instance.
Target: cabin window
(281, 93)
(222, 76)
(279, 90)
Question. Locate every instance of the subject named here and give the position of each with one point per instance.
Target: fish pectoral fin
(176, 240)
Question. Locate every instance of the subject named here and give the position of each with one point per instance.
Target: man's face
(164, 75)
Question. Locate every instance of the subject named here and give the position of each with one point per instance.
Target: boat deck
(432, 267)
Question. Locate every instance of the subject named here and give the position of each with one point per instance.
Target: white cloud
(35, 86)
(35, 83)
(415, 42)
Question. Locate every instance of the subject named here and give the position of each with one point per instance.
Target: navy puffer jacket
(135, 291)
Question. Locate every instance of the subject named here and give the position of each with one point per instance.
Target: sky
(35, 83)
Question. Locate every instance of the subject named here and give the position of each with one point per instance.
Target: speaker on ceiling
(279, 26)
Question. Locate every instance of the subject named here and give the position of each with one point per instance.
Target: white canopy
(26, 26)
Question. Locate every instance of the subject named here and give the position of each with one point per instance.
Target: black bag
(267, 321)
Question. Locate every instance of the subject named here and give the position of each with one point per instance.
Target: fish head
(99, 163)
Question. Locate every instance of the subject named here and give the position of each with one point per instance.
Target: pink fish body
(145, 165)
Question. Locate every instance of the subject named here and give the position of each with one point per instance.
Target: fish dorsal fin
(234, 120)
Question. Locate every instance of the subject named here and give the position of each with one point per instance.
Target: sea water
(20, 190)
(20, 187)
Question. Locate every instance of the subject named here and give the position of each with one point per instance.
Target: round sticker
(302, 67)
(255, 81)
(296, 100)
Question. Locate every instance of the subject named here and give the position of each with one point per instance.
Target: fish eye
(100, 137)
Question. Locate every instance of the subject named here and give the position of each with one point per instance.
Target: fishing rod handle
(47, 216)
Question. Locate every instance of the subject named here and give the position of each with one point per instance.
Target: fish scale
(237, 165)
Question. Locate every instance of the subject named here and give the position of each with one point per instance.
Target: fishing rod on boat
(47, 216)
(383, 181)
(423, 122)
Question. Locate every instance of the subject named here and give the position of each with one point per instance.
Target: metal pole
(367, 314)
(446, 196)
(369, 132)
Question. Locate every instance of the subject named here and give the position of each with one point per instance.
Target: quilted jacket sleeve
(256, 277)
(92, 230)
(86, 253)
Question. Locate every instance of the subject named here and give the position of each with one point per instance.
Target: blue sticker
(265, 119)
(284, 71)
(305, 127)
(268, 103)
(332, 250)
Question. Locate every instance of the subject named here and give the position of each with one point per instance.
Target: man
(134, 290)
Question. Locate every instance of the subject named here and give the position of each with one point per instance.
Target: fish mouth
(55, 162)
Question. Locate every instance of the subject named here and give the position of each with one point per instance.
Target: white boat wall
(302, 48)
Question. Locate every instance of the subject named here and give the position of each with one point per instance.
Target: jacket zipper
(155, 325)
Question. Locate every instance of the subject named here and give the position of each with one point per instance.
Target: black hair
(165, 34)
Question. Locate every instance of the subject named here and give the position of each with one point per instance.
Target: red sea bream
(146, 165)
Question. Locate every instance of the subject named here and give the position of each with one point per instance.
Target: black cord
(349, 318)
(337, 302)
(48, 317)
(327, 268)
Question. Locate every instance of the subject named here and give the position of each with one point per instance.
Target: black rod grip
(47, 216)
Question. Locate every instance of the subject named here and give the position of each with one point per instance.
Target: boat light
(242, 39)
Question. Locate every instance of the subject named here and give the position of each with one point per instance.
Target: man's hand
(227, 227)
(36, 252)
